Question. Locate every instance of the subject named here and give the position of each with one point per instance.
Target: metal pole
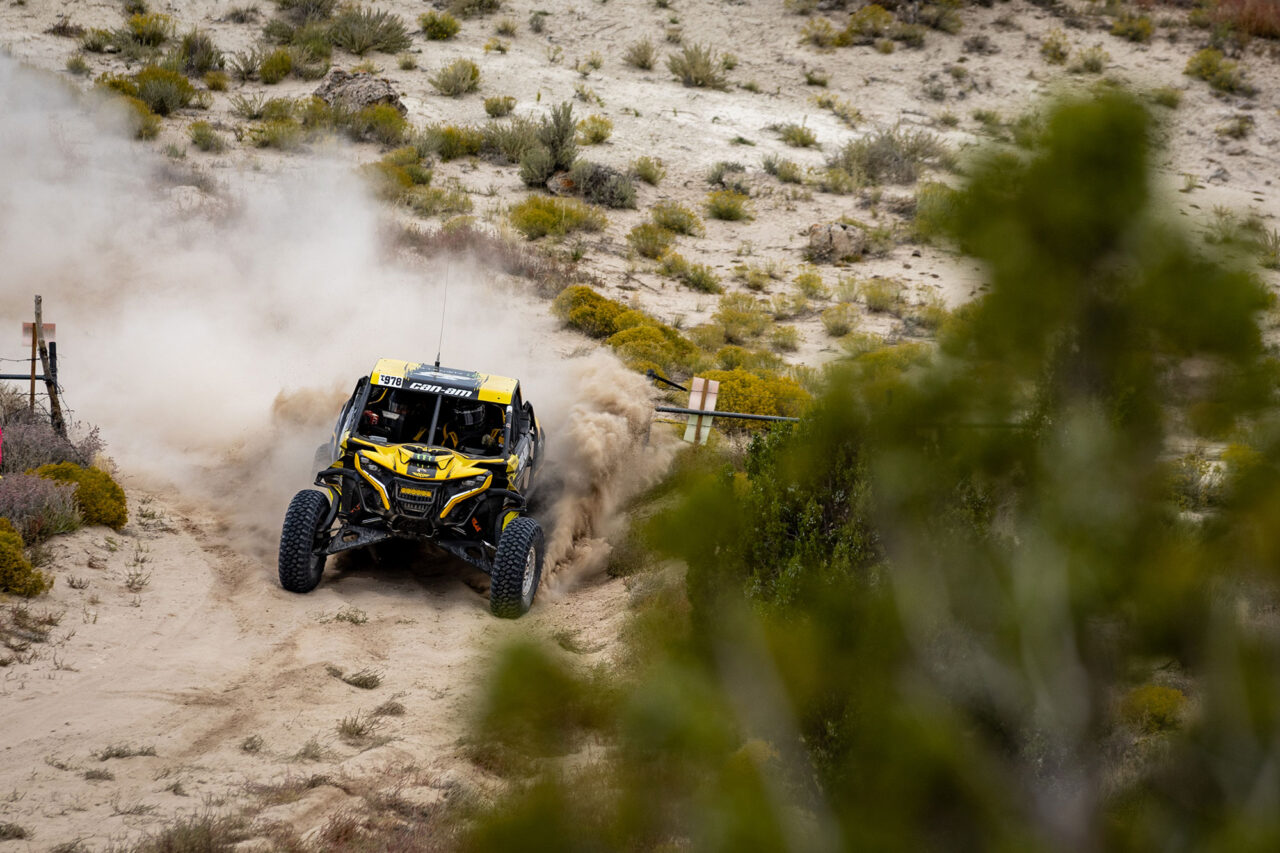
(739, 415)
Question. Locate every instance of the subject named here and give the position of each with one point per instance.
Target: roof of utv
(462, 384)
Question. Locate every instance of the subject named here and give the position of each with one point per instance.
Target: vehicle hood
(428, 463)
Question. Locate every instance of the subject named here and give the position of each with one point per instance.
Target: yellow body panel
(493, 388)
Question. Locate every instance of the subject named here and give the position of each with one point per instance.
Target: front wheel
(517, 568)
(302, 542)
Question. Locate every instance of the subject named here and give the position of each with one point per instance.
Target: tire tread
(505, 598)
(306, 512)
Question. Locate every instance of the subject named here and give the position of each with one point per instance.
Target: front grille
(410, 497)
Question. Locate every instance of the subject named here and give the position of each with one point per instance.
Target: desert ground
(214, 309)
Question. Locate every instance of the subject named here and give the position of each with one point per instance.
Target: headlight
(374, 470)
(468, 483)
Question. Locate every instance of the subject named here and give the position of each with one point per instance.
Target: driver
(466, 428)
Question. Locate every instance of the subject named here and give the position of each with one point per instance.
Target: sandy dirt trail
(213, 337)
(211, 654)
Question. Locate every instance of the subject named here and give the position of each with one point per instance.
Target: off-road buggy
(426, 453)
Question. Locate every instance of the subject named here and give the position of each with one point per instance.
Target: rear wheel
(517, 568)
(303, 541)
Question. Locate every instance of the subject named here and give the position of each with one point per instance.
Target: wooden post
(32, 404)
(55, 408)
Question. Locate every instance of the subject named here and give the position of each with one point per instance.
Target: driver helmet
(471, 416)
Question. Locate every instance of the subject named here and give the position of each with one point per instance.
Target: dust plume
(212, 335)
(606, 437)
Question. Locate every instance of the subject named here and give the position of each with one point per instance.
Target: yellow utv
(426, 453)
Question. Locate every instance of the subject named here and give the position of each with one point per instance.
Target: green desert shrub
(839, 320)
(701, 278)
(809, 282)
(583, 309)
(697, 65)
(204, 137)
(197, 54)
(649, 169)
(1153, 708)
(1167, 97)
(439, 26)
(869, 23)
(649, 240)
(728, 205)
(935, 207)
(438, 201)
(645, 344)
(284, 134)
(787, 171)
(558, 134)
(602, 185)
(743, 317)
(77, 65)
(216, 81)
(276, 66)
(929, 314)
(1091, 60)
(457, 78)
(750, 393)
(556, 147)
(96, 40)
(798, 136)
(450, 141)
(98, 497)
(594, 129)
(37, 507)
(536, 166)
(895, 156)
(144, 123)
(150, 30)
(499, 106)
(1219, 72)
(162, 90)
(381, 123)
(539, 216)
(359, 30)
(1055, 48)
(508, 141)
(881, 294)
(300, 12)
(1133, 27)
(17, 577)
(784, 339)
(674, 216)
(641, 54)
(472, 8)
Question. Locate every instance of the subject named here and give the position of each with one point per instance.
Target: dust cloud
(211, 326)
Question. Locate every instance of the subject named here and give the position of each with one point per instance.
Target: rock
(836, 241)
(342, 89)
(561, 184)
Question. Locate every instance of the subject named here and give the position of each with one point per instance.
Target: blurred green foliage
(936, 614)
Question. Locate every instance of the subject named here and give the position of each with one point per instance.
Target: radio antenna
(444, 304)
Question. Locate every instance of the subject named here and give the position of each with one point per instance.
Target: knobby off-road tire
(517, 568)
(300, 566)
